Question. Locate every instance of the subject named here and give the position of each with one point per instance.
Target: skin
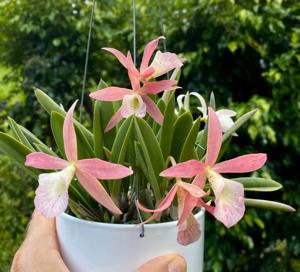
(40, 252)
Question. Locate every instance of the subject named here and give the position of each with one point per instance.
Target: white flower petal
(133, 105)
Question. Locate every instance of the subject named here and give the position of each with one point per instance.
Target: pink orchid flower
(52, 193)
(161, 64)
(229, 195)
(136, 101)
(189, 229)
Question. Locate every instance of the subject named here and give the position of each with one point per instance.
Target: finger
(166, 263)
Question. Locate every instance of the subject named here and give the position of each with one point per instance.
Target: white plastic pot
(90, 246)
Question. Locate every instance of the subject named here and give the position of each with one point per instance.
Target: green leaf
(83, 146)
(166, 135)
(98, 131)
(16, 151)
(259, 184)
(45, 149)
(188, 150)
(30, 136)
(119, 150)
(19, 135)
(212, 101)
(266, 204)
(242, 120)
(182, 128)
(152, 153)
(49, 105)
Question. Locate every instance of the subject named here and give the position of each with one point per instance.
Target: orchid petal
(52, 193)
(186, 169)
(133, 105)
(147, 73)
(103, 169)
(111, 94)
(242, 164)
(148, 52)
(206, 206)
(153, 110)
(230, 206)
(119, 55)
(192, 189)
(155, 87)
(42, 160)
(165, 62)
(133, 73)
(96, 190)
(225, 113)
(116, 118)
(165, 204)
(190, 203)
(70, 141)
(214, 140)
(199, 180)
(189, 231)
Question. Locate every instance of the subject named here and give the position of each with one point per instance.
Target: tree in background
(247, 52)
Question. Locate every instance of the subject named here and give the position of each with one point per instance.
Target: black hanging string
(139, 217)
(87, 59)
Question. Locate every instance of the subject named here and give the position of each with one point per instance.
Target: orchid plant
(142, 151)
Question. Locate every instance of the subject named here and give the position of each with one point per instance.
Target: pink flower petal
(96, 190)
(192, 189)
(103, 169)
(133, 73)
(153, 110)
(111, 94)
(119, 55)
(242, 164)
(214, 140)
(229, 202)
(189, 231)
(116, 118)
(70, 141)
(147, 73)
(50, 206)
(207, 207)
(165, 62)
(190, 203)
(148, 52)
(165, 204)
(155, 87)
(42, 160)
(186, 169)
(199, 180)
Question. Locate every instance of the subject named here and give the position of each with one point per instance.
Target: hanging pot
(91, 246)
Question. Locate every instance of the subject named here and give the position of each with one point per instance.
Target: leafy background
(246, 52)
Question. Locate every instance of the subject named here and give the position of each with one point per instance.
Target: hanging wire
(87, 59)
(134, 30)
(161, 26)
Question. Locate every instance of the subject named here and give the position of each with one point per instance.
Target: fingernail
(175, 266)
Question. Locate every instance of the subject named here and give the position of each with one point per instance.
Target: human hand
(40, 252)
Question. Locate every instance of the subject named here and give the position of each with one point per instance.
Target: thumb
(165, 263)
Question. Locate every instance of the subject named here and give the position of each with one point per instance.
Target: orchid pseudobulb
(52, 193)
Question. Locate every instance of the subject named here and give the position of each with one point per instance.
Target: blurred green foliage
(247, 52)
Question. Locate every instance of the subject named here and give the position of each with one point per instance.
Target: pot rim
(74, 219)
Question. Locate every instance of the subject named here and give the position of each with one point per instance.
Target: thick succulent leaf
(18, 133)
(84, 148)
(267, 204)
(16, 151)
(166, 135)
(49, 105)
(151, 152)
(182, 128)
(188, 150)
(30, 136)
(259, 184)
(238, 123)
